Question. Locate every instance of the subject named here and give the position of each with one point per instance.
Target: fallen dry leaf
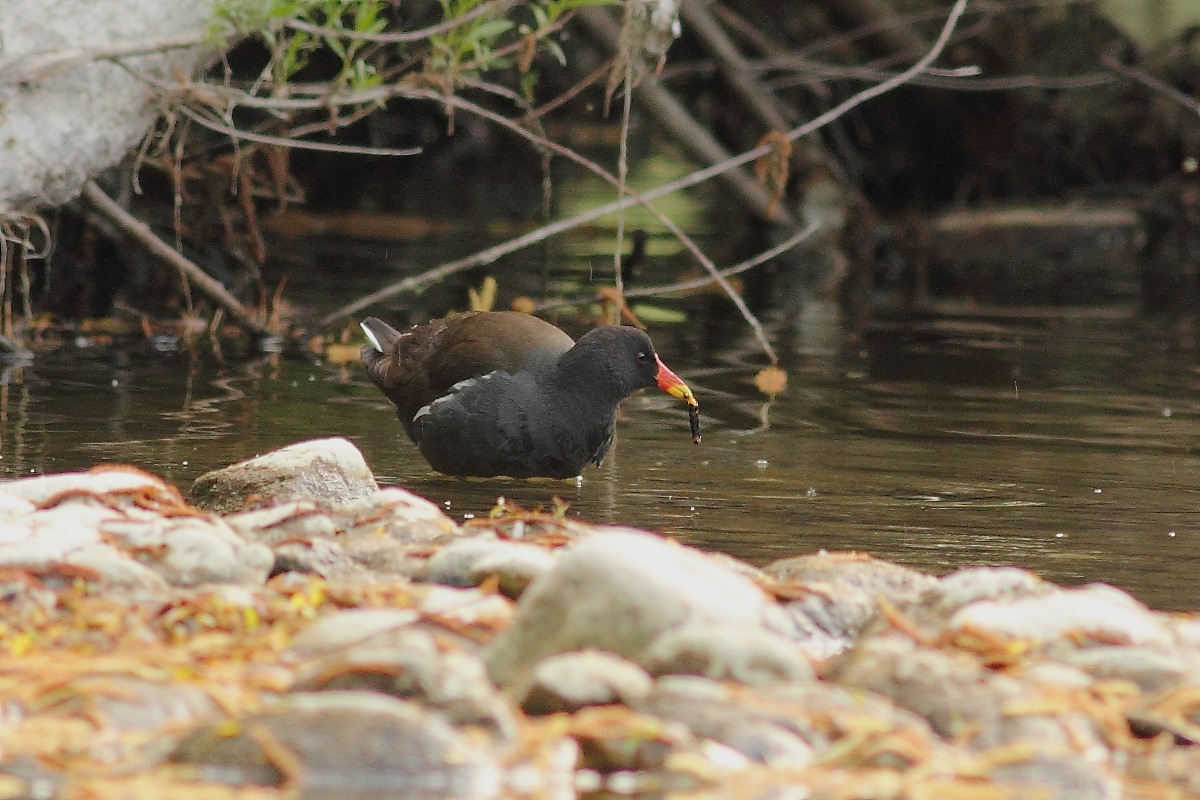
(771, 381)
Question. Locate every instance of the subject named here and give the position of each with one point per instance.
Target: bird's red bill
(671, 383)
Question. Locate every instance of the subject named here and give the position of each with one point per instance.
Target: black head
(614, 361)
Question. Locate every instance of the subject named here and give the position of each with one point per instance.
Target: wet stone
(321, 470)
(571, 681)
(345, 745)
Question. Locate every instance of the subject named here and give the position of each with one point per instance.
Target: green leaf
(490, 29)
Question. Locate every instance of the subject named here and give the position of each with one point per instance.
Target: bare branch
(298, 144)
(140, 231)
(1153, 83)
(696, 283)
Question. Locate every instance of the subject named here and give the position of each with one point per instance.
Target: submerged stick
(187, 268)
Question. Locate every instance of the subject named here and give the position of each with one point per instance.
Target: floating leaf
(771, 381)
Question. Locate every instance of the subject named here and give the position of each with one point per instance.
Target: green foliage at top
(295, 30)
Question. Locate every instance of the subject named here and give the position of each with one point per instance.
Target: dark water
(1065, 443)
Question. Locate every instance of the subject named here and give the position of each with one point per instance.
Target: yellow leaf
(341, 353)
(485, 298)
(771, 381)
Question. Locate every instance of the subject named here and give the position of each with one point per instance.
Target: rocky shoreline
(290, 629)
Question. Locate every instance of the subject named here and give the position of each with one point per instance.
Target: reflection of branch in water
(13, 455)
(764, 417)
(206, 418)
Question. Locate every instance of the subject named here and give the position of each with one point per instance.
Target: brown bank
(330, 639)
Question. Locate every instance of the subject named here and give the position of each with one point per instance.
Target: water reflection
(1063, 444)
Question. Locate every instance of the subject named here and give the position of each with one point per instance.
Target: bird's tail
(379, 333)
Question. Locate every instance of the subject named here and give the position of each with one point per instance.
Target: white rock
(618, 591)
(1098, 611)
(322, 470)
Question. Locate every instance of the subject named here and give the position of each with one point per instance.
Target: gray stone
(1097, 612)
(471, 561)
(348, 628)
(744, 655)
(386, 654)
(857, 570)
(971, 585)
(961, 699)
(321, 470)
(1151, 670)
(571, 681)
(839, 593)
(618, 591)
(348, 744)
(714, 711)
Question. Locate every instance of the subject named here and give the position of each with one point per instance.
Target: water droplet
(1171, 534)
(185, 463)
(1060, 536)
(1098, 491)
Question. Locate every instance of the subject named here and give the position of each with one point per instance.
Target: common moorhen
(504, 393)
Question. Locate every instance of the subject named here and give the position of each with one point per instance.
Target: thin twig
(140, 231)
(960, 80)
(695, 283)
(622, 182)
(298, 144)
(1152, 83)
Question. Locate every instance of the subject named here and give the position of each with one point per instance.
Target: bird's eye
(641, 358)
